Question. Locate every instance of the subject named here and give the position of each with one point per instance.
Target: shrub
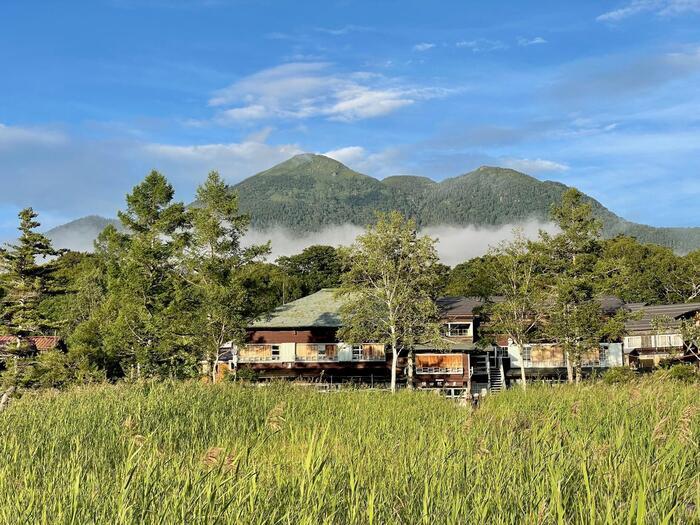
(245, 373)
(619, 374)
(680, 372)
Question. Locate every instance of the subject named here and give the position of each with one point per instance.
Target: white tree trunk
(394, 367)
(523, 377)
(410, 368)
(569, 368)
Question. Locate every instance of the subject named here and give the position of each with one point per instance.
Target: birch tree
(390, 289)
(515, 267)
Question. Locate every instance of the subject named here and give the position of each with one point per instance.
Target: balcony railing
(547, 363)
(258, 359)
(561, 363)
(438, 370)
(317, 358)
(459, 332)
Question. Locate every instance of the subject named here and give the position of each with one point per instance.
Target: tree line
(160, 295)
(155, 299)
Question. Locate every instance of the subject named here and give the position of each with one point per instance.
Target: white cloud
(534, 165)
(658, 7)
(423, 46)
(482, 45)
(15, 136)
(347, 155)
(531, 41)
(234, 161)
(378, 164)
(303, 90)
(340, 31)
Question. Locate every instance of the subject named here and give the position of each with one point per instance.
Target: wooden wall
(301, 335)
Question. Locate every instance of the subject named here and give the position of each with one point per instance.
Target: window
(634, 341)
(368, 352)
(603, 356)
(458, 329)
(258, 353)
(527, 353)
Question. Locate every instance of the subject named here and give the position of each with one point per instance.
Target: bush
(244, 374)
(619, 375)
(680, 372)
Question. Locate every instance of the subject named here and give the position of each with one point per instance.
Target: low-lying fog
(455, 243)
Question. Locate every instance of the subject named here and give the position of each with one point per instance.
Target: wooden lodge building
(299, 341)
(647, 345)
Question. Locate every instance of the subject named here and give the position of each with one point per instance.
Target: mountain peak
(309, 192)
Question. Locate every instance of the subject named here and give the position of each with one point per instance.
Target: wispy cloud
(482, 45)
(303, 90)
(534, 166)
(233, 160)
(658, 7)
(524, 42)
(423, 46)
(340, 31)
(15, 135)
(619, 76)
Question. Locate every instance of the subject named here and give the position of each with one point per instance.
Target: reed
(195, 453)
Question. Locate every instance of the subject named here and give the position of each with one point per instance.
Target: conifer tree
(26, 279)
(142, 325)
(575, 317)
(215, 261)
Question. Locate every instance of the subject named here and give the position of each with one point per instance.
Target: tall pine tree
(215, 262)
(26, 279)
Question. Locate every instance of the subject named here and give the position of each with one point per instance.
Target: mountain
(309, 192)
(80, 233)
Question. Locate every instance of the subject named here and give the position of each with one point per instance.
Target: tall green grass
(194, 453)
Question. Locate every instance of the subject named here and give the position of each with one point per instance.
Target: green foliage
(619, 375)
(315, 268)
(187, 452)
(50, 369)
(473, 278)
(516, 268)
(684, 373)
(27, 279)
(575, 319)
(244, 373)
(141, 322)
(390, 288)
(214, 261)
(267, 286)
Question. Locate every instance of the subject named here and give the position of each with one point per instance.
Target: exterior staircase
(496, 383)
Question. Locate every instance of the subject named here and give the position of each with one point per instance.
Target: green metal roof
(321, 309)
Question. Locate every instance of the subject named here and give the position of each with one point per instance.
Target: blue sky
(600, 95)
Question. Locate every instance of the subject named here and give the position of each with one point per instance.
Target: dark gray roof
(647, 314)
(610, 304)
(321, 309)
(462, 306)
(466, 306)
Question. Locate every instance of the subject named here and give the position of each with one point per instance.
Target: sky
(94, 94)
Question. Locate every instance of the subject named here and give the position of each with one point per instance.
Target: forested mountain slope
(309, 192)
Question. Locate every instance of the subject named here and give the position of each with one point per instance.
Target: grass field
(194, 453)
